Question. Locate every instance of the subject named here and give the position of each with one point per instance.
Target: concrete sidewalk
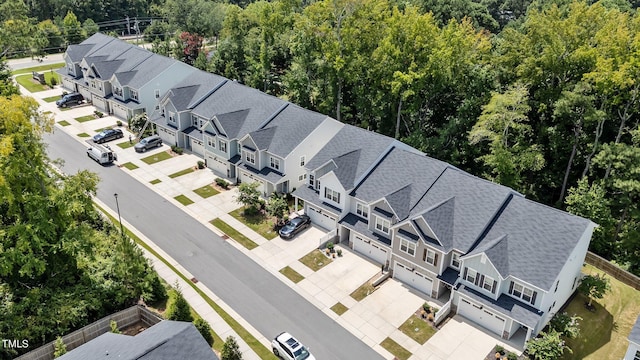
(372, 319)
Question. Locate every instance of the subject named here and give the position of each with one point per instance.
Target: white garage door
(415, 279)
(100, 103)
(218, 165)
(197, 146)
(168, 137)
(479, 314)
(84, 91)
(321, 218)
(369, 249)
(119, 111)
(68, 84)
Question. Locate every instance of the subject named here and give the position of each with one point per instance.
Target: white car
(287, 347)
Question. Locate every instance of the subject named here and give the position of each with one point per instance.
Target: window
(157, 107)
(311, 180)
(275, 163)
(222, 146)
(318, 185)
(557, 283)
(455, 260)
(523, 292)
(382, 225)
(134, 95)
(332, 195)
(118, 91)
(211, 143)
(302, 160)
(430, 257)
(362, 210)
(472, 275)
(302, 177)
(408, 247)
(172, 117)
(637, 356)
(250, 157)
(239, 148)
(489, 284)
(157, 93)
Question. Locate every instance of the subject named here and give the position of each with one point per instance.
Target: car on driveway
(107, 135)
(294, 226)
(147, 143)
(70, 99)
(287, 347)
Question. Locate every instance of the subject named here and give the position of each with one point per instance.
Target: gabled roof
(263, 137)
(105, 69)
(441, 219)
(148, 69)
(634, 336)
(194, 88)
(231, 122)
(77, 52)
(402, 177)
(166, 340)
(536, 239)
(476, 202)
(232, 97)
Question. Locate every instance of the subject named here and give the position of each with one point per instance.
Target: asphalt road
(256, 295)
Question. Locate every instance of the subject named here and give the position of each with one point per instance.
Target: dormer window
(211, 142)
(157, 93)
(172, 117)
(275, 163)
(134, 95)
(311, 180)
(455, 260)
(382, 225)
(250, 157)
(362, 210)
(118, 91)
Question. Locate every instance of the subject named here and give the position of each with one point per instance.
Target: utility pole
(119, 219)
(128, 26)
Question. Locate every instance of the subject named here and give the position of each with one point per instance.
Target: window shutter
(479, 280)
(424, 255)
(533, 298)
(511, 288)
(493, 287)
(435, 259)
(464, 276)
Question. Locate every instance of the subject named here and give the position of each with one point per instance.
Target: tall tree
(73, 33)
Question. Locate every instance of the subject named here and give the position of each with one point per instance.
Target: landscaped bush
(500, 349)
(119, 123)
(200, 164)
(330, 246)
(426, 307)
(512, 356)
(222, 183)
(53, 81)
(177, 149)
(98, 113)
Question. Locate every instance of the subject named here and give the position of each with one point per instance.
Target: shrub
(119, 123)
(59, 347)
(177, 149)
(204, 329)
(330, 245)
(200, 164)
(339, 251)
(98, 113)
(178, 309)
(500, 349)
(512, 356)
(222, 183)
(230, 350)
(114, 327)
(426, 307)
(53, 82)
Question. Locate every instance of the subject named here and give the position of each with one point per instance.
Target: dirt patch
(134, 329)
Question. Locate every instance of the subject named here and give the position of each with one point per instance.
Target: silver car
(147, 143)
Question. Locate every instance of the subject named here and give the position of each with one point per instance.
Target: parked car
(294, 226)
(148, 143)
(107, 135)
(287, 347)
(70, 99)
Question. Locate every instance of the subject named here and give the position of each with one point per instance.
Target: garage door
(84, 91)
(321, 218)
(217, 165)
(368, 248)
(415, 279)
(197, 146)
(68, 84)
(168, 137)
(100, 103)
(481, 315)
(119, 111)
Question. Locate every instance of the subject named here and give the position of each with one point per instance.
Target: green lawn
(83, 135)
(291, 274)
(85, 118)
(258, 222)
(206, 191)
(393, 347)
(52, 98)
(125, 145)
(39, 68)
(363, 291)
(34, 86)
(604, 332)
(155, 181)
(417, 329)
(152, 159)
(339, 308)
(182, 199)
(234, 234)
(181, 172)
(130, 166)
(64, 123)
(315, 260)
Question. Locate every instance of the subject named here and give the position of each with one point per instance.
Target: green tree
(547, 346)
(59, 348)
(178, 308)
(73, 33)
(594, 287)
(89, 27)
(277, 207)
(53, 35)
(249, 196)
(230, 350)
(204, 329)
(7, 86)
(566, 325)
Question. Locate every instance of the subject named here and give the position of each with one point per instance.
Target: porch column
(526, 338)
(295, 206)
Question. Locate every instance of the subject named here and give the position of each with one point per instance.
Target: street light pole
(119, 219)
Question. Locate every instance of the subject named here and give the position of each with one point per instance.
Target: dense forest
(540, 96)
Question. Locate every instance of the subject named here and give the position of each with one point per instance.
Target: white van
(101, 154)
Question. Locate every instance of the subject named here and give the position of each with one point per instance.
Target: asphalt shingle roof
(167, 340)
(634, 336)
(441, 219)
(77, 52)
(536, 239)
(194, 88)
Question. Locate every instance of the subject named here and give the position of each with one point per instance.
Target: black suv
(107, 135)
(70, 99)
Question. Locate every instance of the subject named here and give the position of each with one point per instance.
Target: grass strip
(315, 260)
(64, 123)
(152, 159)
(51, 99)
(339, 308)
(234, 234)
(155, 181)
(83, 135)
(130, 165)
(257, 222)
(182, 199)
(255, 345)
(39, 68)
(33, 86)
(206, 191)
(394, 348)
(181, 172)
(417, 329)
(291, 274)
(363, 291)
(125, 145)
(85, 118)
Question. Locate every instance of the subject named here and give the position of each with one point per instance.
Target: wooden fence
(611, 269)
(124, 318)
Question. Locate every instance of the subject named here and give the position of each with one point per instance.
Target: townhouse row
(488, 253)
